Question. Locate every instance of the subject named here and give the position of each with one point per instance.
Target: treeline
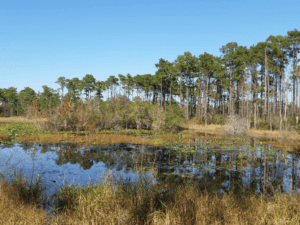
(250, 82)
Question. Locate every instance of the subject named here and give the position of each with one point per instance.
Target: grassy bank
(120, 202)
(27, 131)
(258, 133)
(213, 129)
(20, 119)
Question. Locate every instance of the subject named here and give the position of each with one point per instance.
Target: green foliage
(10, 97)
(26, 96)
(263, 126)
(173, 118)
(2, 95)
(73, 86)
(20, 129)
(88, 84)
(99, 88)
(142, 114)
(14, 130)
(48, 98)
(218, 119)
(206, 79)
(118, 113)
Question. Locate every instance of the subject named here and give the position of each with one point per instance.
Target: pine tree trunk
(297, 83)
(187, 99)
(270, 113)
(161, 94)
(256, 106)
(266, 75)
(230, 90)
(285, 106)
(206, 101)
(280, 125)
(242, 106)
(294, 80)
(280, 97)
(223, 99)
(181, 89)
(199, 101)
(171, 92)
(248, 114)
(62, 98)
(255, 113)
(261, 94)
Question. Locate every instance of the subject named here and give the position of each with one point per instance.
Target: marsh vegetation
(145, 176)
(162, 174)
(205, 140)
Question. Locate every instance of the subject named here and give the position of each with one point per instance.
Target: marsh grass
(119, 201)
(80, 127)
(93, 139)
(143, 201)
(27, 132)
(20, 119)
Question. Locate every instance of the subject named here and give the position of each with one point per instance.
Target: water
(244, 168)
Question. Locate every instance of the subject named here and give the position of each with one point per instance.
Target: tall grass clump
(21, 201)
(143, 201)
(124, 202)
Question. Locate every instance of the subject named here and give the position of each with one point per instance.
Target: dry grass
(210, 128)
(123, 204)
(3, 136)
(167, 137)
(291, 135)
(215, 128)
(15, 211)
(20, 119)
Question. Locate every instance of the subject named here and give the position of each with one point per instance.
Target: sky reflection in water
(237, 166)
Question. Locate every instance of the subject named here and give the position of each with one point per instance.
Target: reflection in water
(243, 168)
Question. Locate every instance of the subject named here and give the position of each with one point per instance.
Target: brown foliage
(34, 111)
(236, 126)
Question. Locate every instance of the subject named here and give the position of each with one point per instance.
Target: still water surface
(243, 167)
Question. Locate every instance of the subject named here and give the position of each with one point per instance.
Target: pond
(245, 167)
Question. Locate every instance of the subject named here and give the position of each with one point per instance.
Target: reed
(118, 201)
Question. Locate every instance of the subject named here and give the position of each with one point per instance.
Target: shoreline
(213, 129)
(216, 128)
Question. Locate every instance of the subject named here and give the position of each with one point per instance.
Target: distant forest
(251, 82)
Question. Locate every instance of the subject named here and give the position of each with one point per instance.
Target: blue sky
(43, 40)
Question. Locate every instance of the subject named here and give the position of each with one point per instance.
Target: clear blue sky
(42, 40)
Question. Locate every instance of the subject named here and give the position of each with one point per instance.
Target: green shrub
(173, 119)
(218, 119)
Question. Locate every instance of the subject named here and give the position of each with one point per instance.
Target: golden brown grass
(215, 128)
(15, 211)
(167, 137)
(122, 204)
(210, 128)
(3, 136)
(20, 119)
(291, 135)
